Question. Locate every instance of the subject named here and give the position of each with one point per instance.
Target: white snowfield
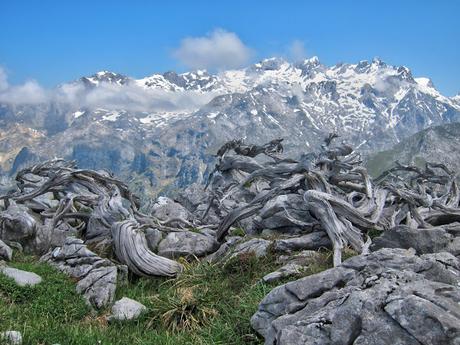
(347, 96)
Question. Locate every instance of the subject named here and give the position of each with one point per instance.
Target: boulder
(18, 224)
(20, 277)
(6, 253)
(167, 209)
(430, 240)
(126, 309)
(187, 243)
(96, 277)
(391, 296)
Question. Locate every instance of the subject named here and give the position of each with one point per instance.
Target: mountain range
(161, 131)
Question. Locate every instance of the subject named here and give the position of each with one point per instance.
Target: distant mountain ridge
(163, 130)
(434, 144)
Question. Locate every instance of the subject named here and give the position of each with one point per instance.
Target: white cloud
(218, 50)
(28, 93)
(296, 50)
(129, 97)
(135, 98)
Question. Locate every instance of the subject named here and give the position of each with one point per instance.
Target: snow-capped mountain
(164, 128)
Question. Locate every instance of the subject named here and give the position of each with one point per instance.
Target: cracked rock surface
(391, 296)
(97, 277)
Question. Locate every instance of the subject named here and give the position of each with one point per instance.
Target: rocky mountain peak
(104, 77)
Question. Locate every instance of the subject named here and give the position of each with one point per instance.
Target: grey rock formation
(97, 277)
(166, 209)
(18, 224)
(11, 338)
(391, 296)
(126, 309)
(20, 277)
(6, 253)
(430, 240)
(187, 243)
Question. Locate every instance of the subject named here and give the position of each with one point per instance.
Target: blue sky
(57, 41)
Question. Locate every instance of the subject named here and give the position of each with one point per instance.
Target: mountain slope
(436, 144)
(164, 128)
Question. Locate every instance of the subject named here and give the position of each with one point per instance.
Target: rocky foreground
(401, 288)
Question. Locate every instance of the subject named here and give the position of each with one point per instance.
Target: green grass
(207, 304)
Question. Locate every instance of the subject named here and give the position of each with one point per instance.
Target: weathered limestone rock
(391, 296)
(18, 224)
(187, 243)
(166, 209)
(6, 253)
(22, 278)
(97, 277)
(430, 240)
(11, 338)
(126, 309)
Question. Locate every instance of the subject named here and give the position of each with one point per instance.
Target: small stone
(11, 337)
(126, 309)
(22, 278)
